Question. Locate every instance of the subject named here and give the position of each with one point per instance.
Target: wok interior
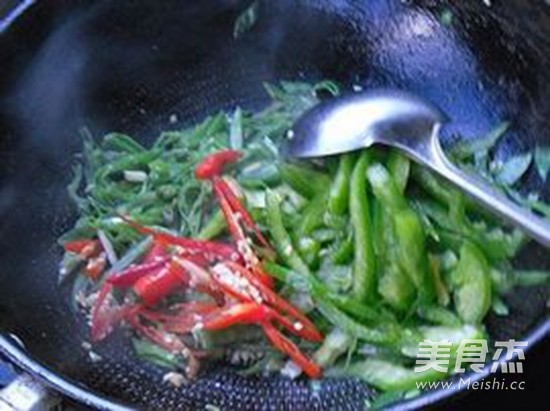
(116, 66)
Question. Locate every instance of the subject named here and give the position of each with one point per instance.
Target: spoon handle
(536, 227)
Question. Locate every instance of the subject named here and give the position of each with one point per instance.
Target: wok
(129, 66)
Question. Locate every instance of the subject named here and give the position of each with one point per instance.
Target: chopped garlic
(298, 326)
(94, 356)
(135, 176)
(291, 370)
(173, 119)
(174, 378)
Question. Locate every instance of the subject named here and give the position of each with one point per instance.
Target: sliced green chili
(281, 239)
(472, 285)
(364, 263)
(338, 199)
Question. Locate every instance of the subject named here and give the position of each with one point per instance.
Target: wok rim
(72, 389)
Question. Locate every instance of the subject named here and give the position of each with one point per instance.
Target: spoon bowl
(359, 120)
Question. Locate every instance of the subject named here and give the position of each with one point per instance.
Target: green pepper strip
(441, 290)
(394, 285)
(320, 292)
(472, 285)
(311, 217)
(410, 237)
(335, 344)
(364, 263)
(400, 167)
(438, 315)
(304, 180)
(155, 354)
(343, 253)
(389, 376)
(387, 334)
(338, 199)
(449, 196)
(497, 245)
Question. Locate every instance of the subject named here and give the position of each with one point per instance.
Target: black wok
(129, 66)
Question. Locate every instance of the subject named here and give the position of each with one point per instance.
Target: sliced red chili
(237, 206)
(85, 247)
(179, 313)
(243, 313)
(211, 250)
(199, 307)
(196, 258)
(156, 252)
(180, 323)
(246, 313)
(161, 338)
(157, 285)
(128, 277)
(95, 266)
(305, 327)
(101, 317)
(310, 368)
(240, 238)
(106, 314)
(232, 221)
(200, 279)
(213, 164)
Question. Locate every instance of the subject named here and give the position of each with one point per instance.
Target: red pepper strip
(157, 252)
(78, 246)
(128, 277)
(238, 207)
(285, 345)
(106, 316)
(210, 249)
(213, 164)
(240, 238)
(308, 331)
(163, 339)
(157, 285)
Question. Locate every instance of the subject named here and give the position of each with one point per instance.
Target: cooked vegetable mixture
(210, 246)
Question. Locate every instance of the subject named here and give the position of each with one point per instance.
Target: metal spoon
(406, 122)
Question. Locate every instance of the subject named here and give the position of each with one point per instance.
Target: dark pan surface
(128, 66)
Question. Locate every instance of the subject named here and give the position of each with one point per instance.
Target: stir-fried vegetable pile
(209, 245)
